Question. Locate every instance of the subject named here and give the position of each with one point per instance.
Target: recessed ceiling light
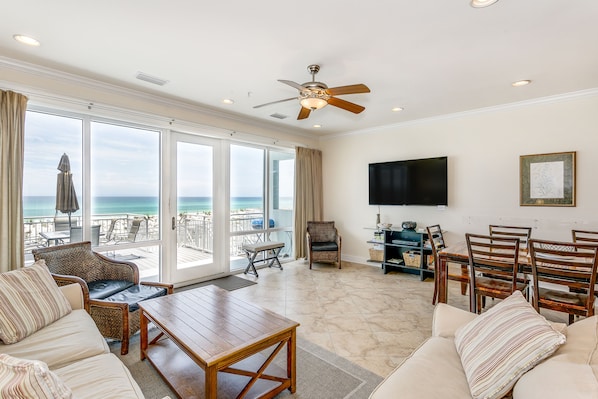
(520, 83)
(228, 101)
(26, 40)
(317, 126)
(482, 3)
(397, 109)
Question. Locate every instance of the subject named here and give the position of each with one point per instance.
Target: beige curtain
(309, 198)
(12, 132)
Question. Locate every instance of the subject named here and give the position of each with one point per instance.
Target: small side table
(271, 251)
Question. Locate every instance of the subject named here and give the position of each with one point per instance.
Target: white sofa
(77, 354)
(435, 370)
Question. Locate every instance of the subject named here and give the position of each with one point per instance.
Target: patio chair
(323, 243)
(112, 286)
(77, 234)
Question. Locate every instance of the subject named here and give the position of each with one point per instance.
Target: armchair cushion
(29, 301)
(21, 378)
(101, 289)
(324, 246)
(133, 295)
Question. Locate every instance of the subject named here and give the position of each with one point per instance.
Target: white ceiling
(431, 57)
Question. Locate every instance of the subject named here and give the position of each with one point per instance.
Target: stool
(271, 250)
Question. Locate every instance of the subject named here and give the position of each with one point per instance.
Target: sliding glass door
(195, 208)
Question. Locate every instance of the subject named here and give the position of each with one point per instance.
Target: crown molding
(457, 115)
(96, 85)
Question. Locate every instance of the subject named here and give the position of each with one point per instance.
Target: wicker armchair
(323, 243)
(115, 312)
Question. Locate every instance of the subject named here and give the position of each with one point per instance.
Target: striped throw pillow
(29, 301)
(500, 345)
(25, 379)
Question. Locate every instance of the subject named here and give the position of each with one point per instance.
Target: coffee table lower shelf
(186, 378)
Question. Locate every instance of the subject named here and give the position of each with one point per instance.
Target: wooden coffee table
(205, 331)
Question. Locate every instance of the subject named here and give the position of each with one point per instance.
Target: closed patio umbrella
(66, 197)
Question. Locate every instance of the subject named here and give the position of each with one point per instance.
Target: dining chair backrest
(436, 239)
(494, 256)
(585, 236)
(523, 233)
(569, 265)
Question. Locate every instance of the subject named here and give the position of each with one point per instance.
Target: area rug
(229, 283)
(320, 375)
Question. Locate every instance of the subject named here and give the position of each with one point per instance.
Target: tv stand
(399, 242)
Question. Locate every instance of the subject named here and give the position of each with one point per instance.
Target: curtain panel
(309, 197)
(12, 132)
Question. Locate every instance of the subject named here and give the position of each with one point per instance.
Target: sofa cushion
(29, 300)
(72, 338)
(133, 295)
(24, 379)
(101, 289)
(102, 376)
(432, 371)
(572, 372)
(500, 345)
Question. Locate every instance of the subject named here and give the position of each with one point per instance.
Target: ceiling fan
(315, 95)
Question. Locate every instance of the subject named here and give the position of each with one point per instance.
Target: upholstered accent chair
(112, 287)
(323, 243)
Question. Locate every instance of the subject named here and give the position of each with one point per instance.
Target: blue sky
(124, 161)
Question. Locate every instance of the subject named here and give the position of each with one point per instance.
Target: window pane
(47, 138)
(246, 200)
(282, 186)
(125, 183)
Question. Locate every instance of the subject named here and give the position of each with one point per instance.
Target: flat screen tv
(411, 182)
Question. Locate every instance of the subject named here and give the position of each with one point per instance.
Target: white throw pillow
(29, 301)
(500, 345)
(25, 379)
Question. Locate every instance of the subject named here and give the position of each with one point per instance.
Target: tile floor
(358, 312)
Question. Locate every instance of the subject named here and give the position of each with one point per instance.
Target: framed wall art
(547, 179)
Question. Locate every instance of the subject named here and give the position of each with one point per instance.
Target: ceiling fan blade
(303, 113)
(351, 89)
(292, 84)
(275, 102)
(346, 105)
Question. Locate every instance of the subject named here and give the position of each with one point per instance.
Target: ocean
(44, 206)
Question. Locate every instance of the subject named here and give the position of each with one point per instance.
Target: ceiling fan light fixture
(482, 3)
(313, 100)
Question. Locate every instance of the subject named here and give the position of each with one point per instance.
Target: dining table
(457, 253)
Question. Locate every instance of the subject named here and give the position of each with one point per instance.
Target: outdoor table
(55, 236)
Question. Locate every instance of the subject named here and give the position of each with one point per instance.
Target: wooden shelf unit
(397, 242)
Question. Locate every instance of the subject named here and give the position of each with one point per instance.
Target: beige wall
(483, 150)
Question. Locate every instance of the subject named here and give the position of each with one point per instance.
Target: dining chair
(437, 243)
(493, 268)
(564, 276)
(523, 233)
